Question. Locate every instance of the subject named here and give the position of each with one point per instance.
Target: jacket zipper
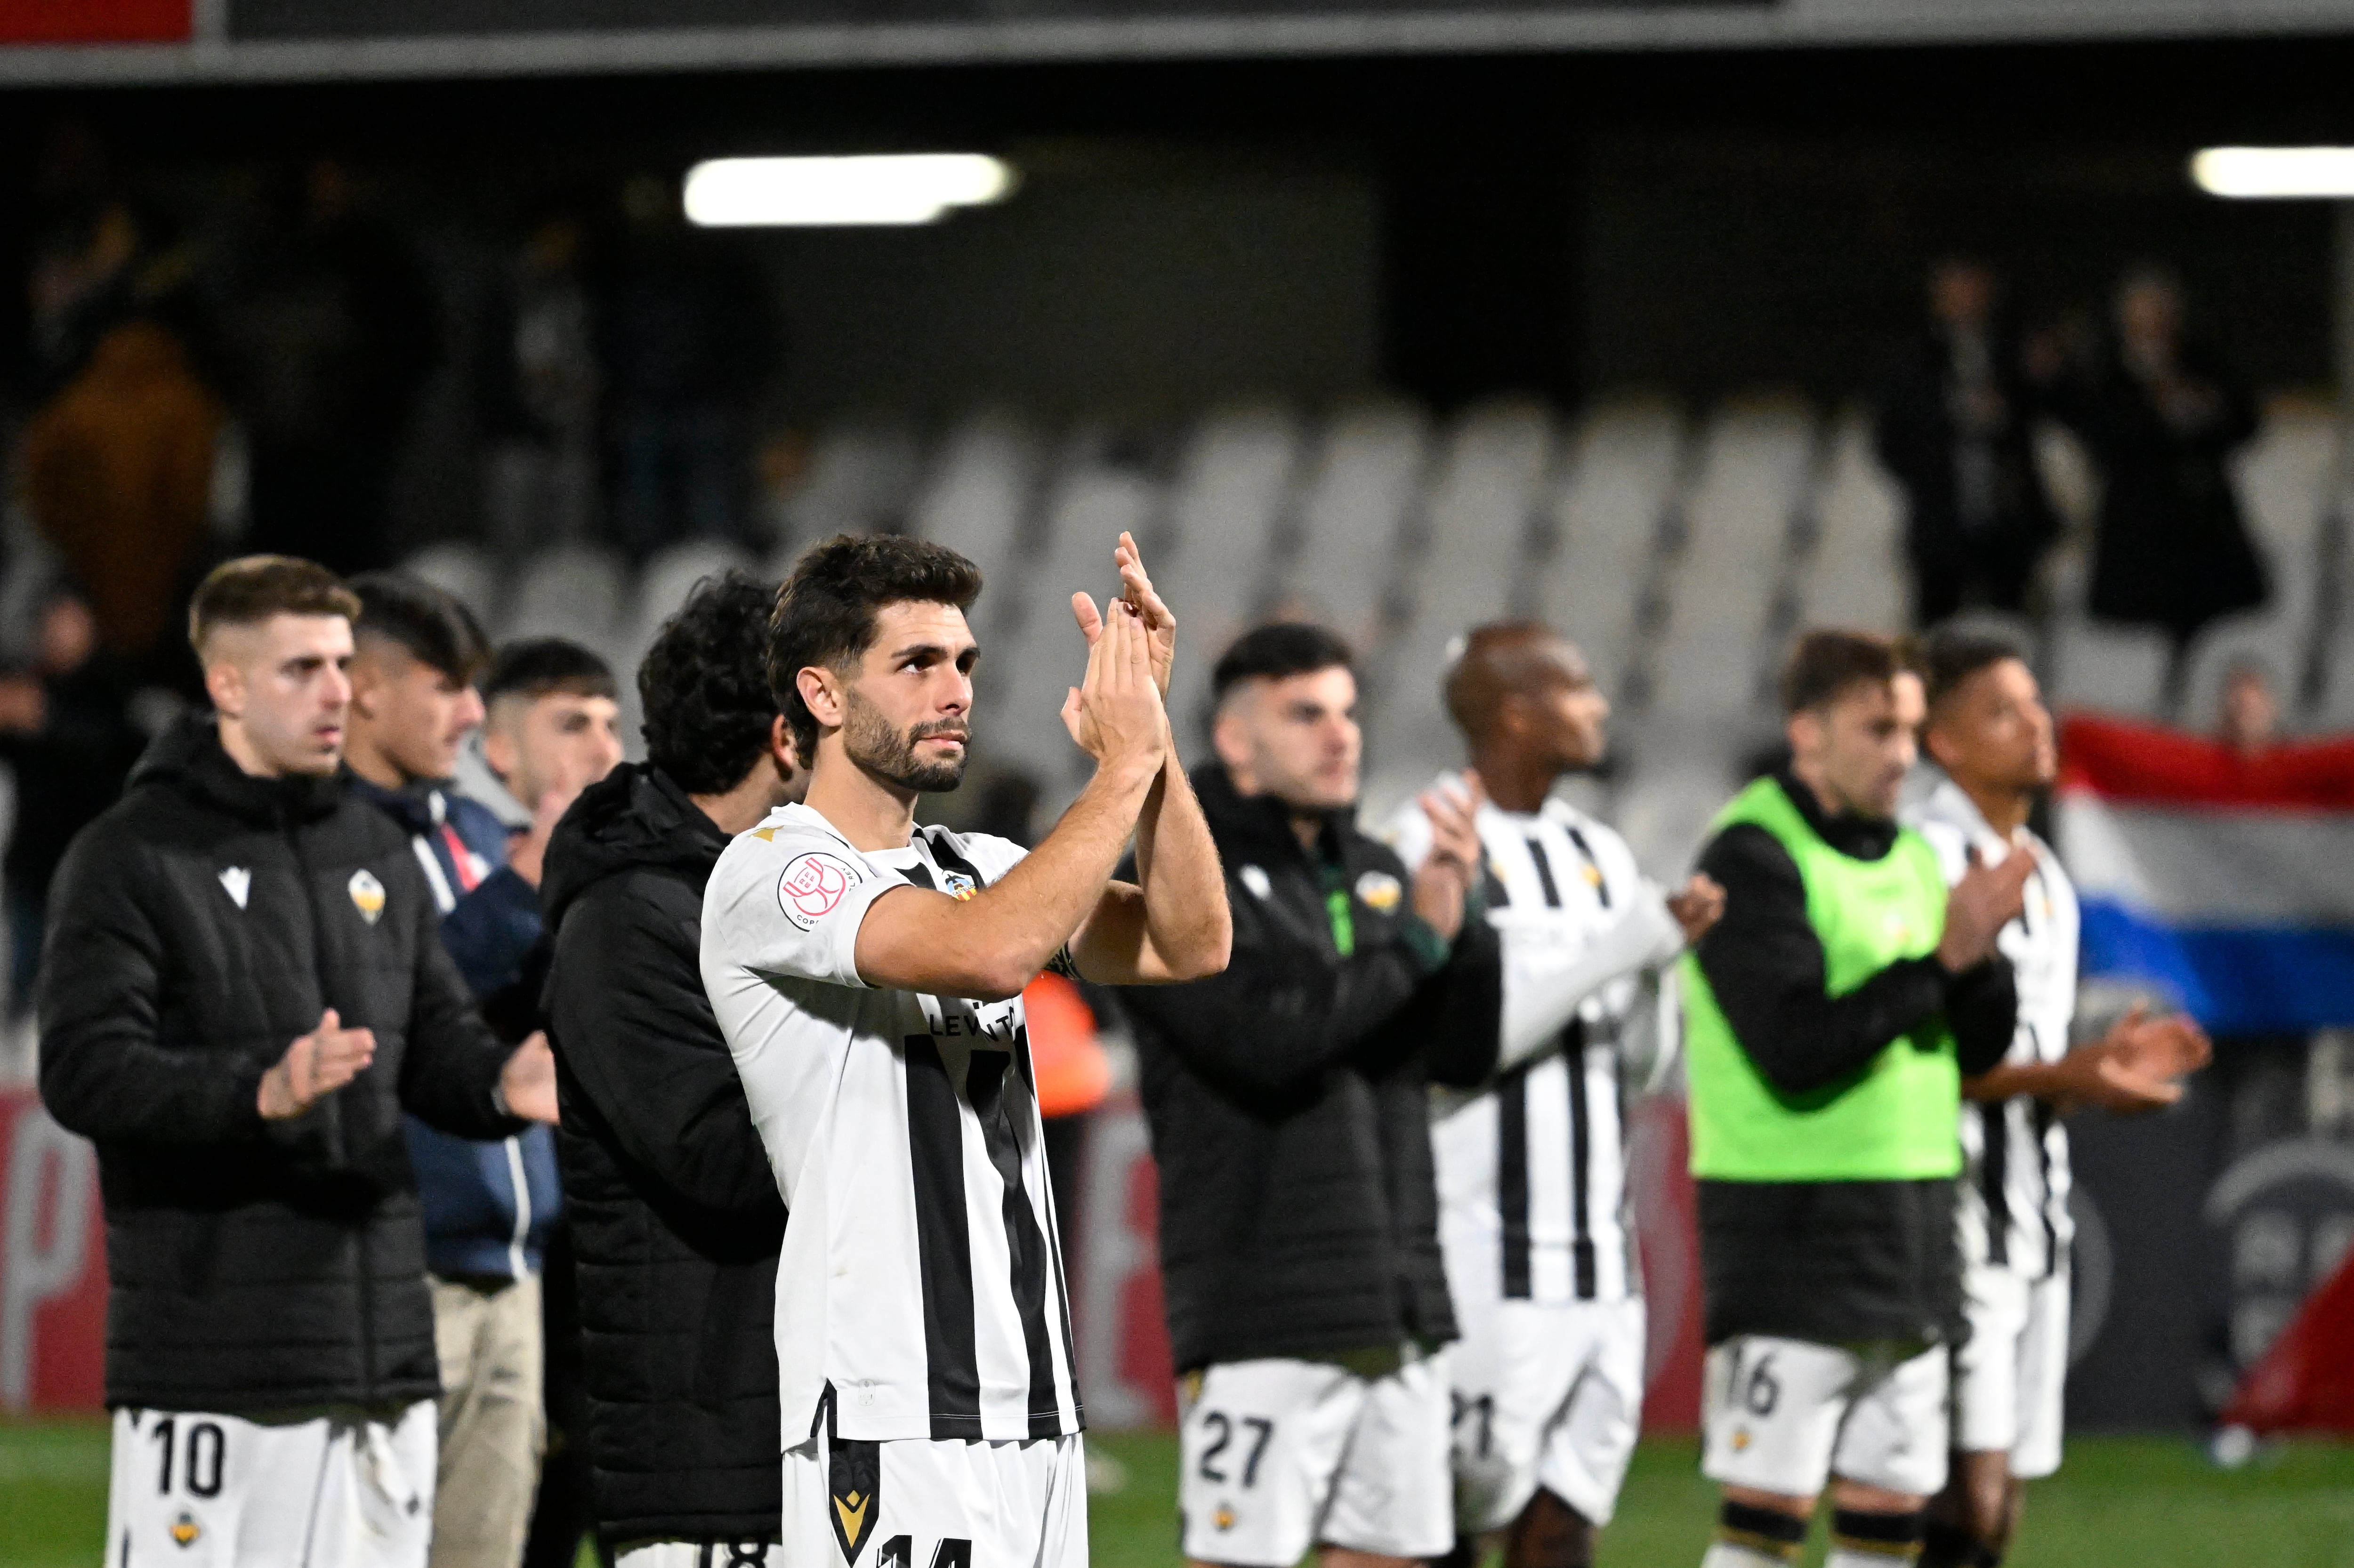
(366, 1278)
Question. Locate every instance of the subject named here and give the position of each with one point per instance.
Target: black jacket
(1831, 1262)
(674, 1215)
(1288, 1099)
(196, 929)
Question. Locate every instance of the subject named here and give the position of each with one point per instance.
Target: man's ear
(1230, 737)
(1805, 731)
(823, 691)
(499, 752)
(782, 750)
(224, 683)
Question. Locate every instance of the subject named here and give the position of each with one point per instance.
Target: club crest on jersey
(367, 894)
(957, 885)
(812, 886)
(184, 1529)
(1379, 891)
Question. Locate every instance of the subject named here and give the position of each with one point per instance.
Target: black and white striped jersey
(2014, 1206)
(921, 1276)
(1532, 1168)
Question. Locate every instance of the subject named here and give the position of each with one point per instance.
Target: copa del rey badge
(812, 885)
(367, 894)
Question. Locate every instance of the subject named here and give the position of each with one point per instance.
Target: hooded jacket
(674, 1215)
(197, 928)
(488, 1206)
(1288, 1096)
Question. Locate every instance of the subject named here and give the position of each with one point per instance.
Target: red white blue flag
(2225, 881)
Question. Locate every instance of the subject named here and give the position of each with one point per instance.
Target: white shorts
(342, 1490)
(1785, 1416)
(2008, 1378)
(925, 1503)
(1277, 1456)
(1546, 1394)
(703, 1554)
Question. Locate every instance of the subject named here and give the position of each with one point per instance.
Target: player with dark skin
(1532, 714)
(1993, 736)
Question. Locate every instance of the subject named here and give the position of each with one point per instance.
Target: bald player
(1548, 1378)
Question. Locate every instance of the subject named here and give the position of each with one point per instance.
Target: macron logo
(238, 881)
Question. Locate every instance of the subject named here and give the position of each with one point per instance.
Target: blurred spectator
(2249, 720)
(118, 476)
(66, 732)
(688, 344)
(2160, 415)
(336, 330)
(540, 397)
(1954, 427)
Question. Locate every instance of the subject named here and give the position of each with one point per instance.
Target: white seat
(573, 591)
(1214, 561)
(1854, 577)
(860, 480)
(1678, 775)
(464, 571)
(1363, 485)
(2111, 669)
(1605, 508)
(979, 498)
(2335, 714)
(2282, 479)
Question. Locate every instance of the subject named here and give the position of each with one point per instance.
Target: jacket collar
(1857, 837)
(188, 758)
(419, 808)
(1262, 822)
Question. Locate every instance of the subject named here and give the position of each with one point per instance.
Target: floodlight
(824, 193)
(2275, 172)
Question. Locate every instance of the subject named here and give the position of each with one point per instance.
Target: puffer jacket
(196, 929)
(673, 1211)
(1289, 1099)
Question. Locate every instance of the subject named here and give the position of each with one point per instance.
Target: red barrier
(52, 1264)
(2304, 1383)
(94, 21)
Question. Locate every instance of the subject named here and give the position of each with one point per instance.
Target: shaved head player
(1548, 1379)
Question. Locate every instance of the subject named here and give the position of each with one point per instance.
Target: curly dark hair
(705, 685)
(825, 613)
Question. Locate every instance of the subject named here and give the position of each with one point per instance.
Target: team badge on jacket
(367, 894)
(1379, 891)
(237, 881)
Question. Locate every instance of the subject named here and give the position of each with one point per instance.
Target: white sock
(1851, 1557)
(1725, 1554)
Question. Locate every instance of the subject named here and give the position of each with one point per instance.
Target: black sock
(1895, 1536)
(1762, 1529)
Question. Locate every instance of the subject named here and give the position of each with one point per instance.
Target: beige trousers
(493, 1424)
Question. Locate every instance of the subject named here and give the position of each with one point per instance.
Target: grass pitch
(2120, 1502)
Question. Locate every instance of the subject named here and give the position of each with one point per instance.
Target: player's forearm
(1544, 990)
(1185, 886)
(998, 941)
(2039, 1080)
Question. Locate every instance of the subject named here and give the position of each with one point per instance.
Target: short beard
(868, 740)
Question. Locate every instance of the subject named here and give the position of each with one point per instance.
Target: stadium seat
(1677, 775)
(1605, 510)
(1364, 483)
(860, 480)
(1755, 465)
(1853, 575)
(464, 571)
(1472, 566)
(2110, 669)
(1235, 479)
(572, 590)
(977, 499)
(2282, 479)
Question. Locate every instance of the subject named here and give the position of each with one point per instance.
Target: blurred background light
(2275, 172)
(839, 192)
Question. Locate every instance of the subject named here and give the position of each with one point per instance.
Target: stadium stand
(1680, 553)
